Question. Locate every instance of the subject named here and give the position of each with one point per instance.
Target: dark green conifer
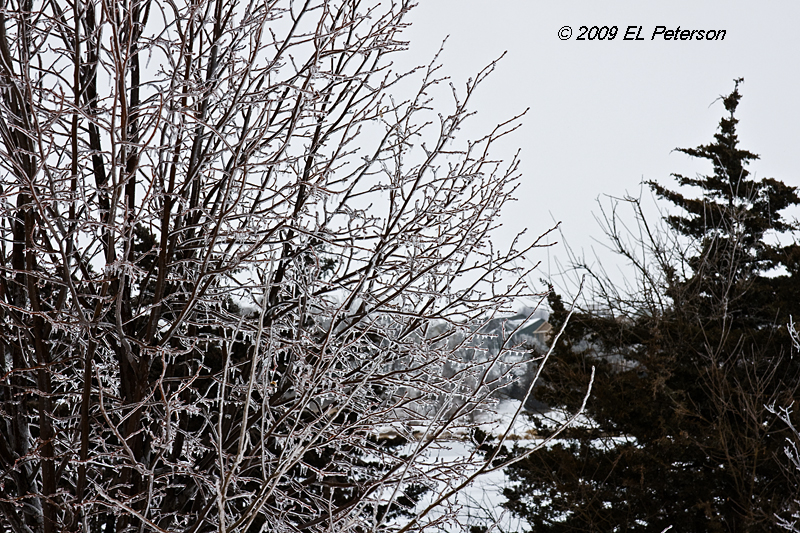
(680, 433)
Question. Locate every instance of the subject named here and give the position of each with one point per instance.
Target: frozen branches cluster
(228, 259)
(789, 518)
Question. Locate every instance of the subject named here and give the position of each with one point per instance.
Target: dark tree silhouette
(687, 364)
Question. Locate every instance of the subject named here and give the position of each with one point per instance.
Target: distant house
(523, 340)
(538, 329)
(534, 331)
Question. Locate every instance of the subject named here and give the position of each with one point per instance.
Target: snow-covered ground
(480, 503)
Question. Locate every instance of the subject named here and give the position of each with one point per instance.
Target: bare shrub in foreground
(230, 266)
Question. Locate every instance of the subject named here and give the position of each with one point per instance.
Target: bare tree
(230, 260)
(789, 518)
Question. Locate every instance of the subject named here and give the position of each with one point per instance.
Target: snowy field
(480, 503)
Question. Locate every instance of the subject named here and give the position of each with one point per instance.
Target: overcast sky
(604, 115)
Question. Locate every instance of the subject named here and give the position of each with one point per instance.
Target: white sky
(606, 115)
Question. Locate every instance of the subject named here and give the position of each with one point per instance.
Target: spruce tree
(680, 435)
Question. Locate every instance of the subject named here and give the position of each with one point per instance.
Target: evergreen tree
(679, 434)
